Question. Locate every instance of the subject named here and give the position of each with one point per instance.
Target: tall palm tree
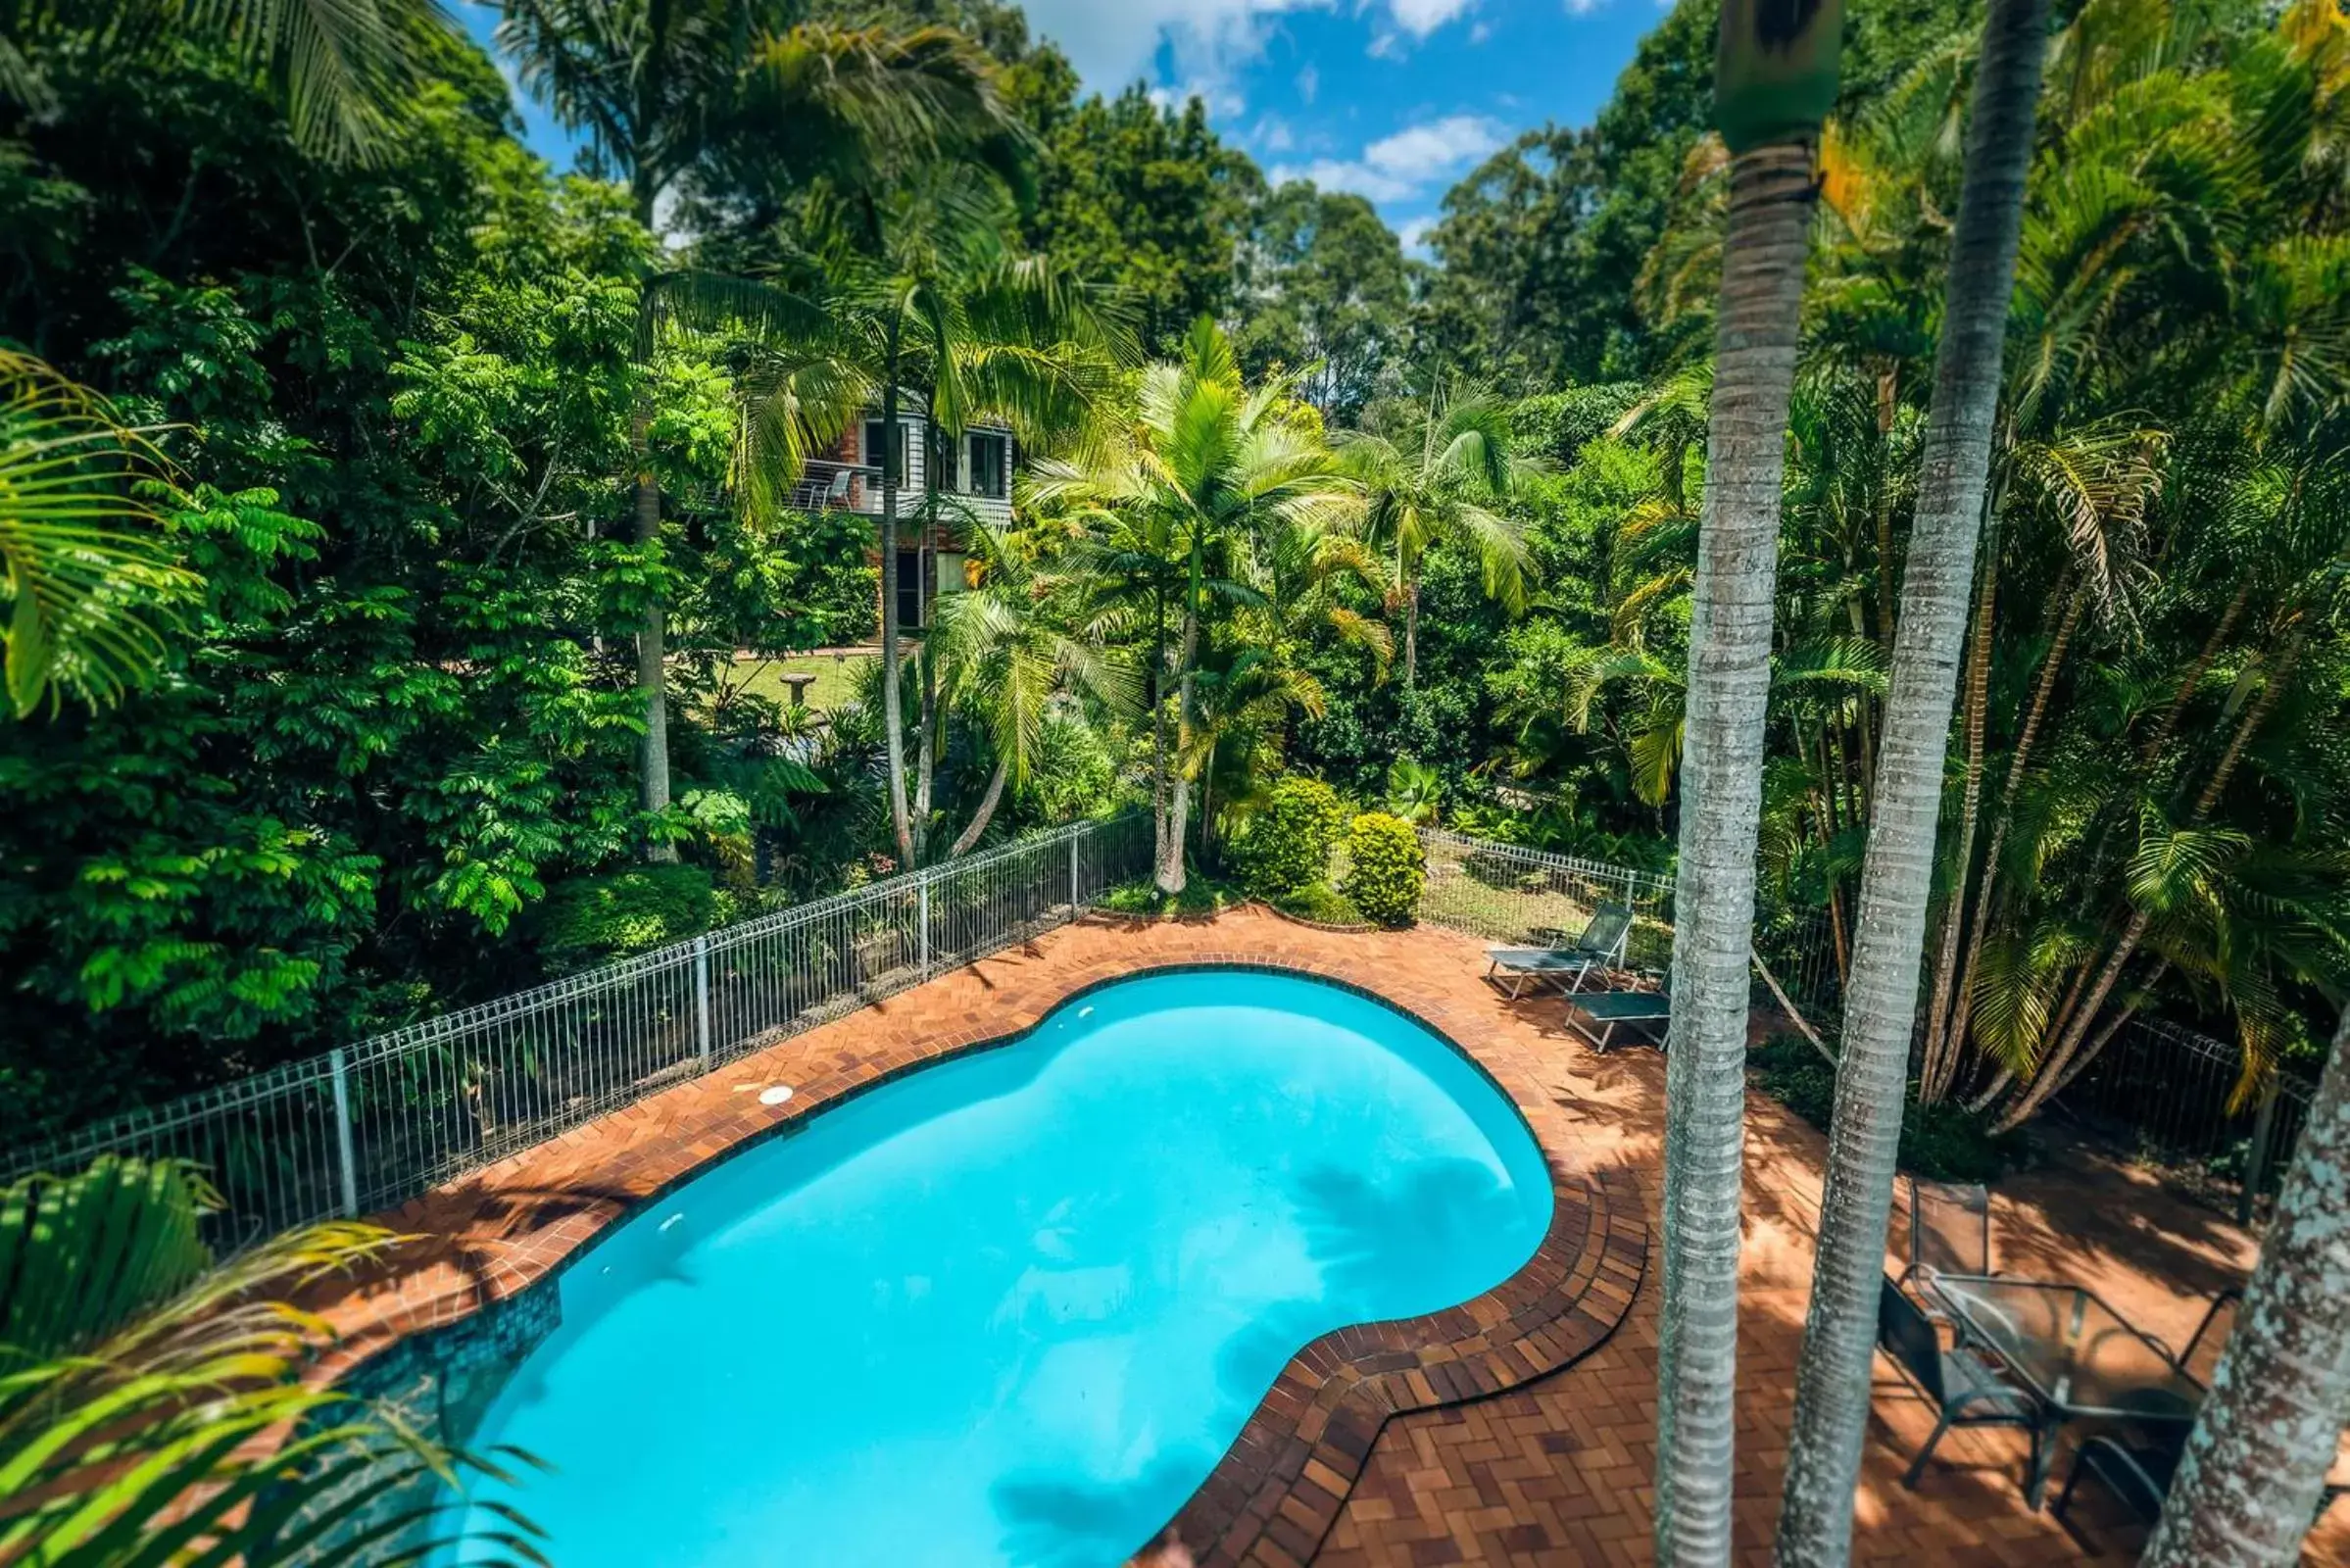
(1005, 649)
(1434, 474)
(1212, 463)
(153, 1407)
(1831, 1378)
(2255, 1462)
(662, 86)
(923, 296)
(1774, 82)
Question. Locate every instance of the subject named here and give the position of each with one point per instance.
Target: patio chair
(2201, 1356)
(1648, 1011)
(1965, 1389)
(1950, 1229)
(1600, 947)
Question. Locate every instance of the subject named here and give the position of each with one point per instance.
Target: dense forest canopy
(438, 443)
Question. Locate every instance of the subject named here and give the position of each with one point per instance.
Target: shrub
(1384, 869)
(589, 920)
(1289, 843)
(1321, 904)
(1941, 1143)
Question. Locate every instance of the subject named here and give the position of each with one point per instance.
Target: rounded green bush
(1384, 869)
(1288, 844)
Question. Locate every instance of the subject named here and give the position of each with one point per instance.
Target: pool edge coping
(1279, 1489)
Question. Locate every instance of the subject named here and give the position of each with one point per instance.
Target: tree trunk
(652, 646)
(987, 808)
(893, 700)
(1158, 728)
(2255, 1462)
(1412, 632)
(1179, 805)
(1942, 1053)
(1881, 998)
(1729, 683)
(2067, 623)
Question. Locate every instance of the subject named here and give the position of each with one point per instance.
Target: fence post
(702, 999)
(339, 1066)
(1075, 833)
(922, 898)
(2256, 1162)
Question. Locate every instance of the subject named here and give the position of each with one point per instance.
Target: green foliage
(155, 1411)
(1384, 869)
(1289, 838)
(617, 914)
(1943, 1143)
(1415, 791)
(1321, 904)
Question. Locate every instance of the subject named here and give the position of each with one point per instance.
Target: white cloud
(1413, 232)
(1402, 165)
(1113, 42)
(1420, 18)
(1273, 136)
(1309, 82)
(1386, 45)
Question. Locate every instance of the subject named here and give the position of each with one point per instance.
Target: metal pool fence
(2164, 1095)
(1513, 894)
(369, 1126)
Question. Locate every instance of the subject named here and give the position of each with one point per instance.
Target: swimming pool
(1014, 1308)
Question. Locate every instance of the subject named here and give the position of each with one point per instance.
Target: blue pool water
(1013, 1309)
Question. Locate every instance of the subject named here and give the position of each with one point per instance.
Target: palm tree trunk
(893, 700)
(1411, 631)
(1158, 727)
(1942, 1052)
(1770, 196)
(2255, 1462)
(1880, 996)
(2068, 622)
(987, 808)
(1179, 805)
(651, 646)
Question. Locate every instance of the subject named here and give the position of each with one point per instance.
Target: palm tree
(1832, 1380)
(662, 86)
(88, 600)
(344, 69)
(1212, 465)
(1003, 653)
(2255, 1462)
(155, 1409)
(921, 296)
(1432, 473)
(1774, 82)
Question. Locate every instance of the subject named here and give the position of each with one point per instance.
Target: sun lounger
(1602, 945)
(1603, 1013)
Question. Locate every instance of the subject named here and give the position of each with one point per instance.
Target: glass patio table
(2079, 1358)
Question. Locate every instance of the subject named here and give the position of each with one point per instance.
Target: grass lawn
(837, 677)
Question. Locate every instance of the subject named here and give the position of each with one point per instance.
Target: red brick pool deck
(1517, 1429)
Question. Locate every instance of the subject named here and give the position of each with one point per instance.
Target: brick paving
(1363, 1454)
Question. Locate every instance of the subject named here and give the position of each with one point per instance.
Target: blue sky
(1393, 99)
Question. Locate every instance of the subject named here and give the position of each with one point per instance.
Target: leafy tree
(1321, 289)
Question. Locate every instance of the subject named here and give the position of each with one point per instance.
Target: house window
(872, 450)
(990, 465)
(909, 589)
(939, 473)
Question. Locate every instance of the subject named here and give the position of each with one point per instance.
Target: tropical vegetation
(1893, 473)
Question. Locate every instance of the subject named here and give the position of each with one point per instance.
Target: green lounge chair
(1600, 947)
(1648, 1011)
